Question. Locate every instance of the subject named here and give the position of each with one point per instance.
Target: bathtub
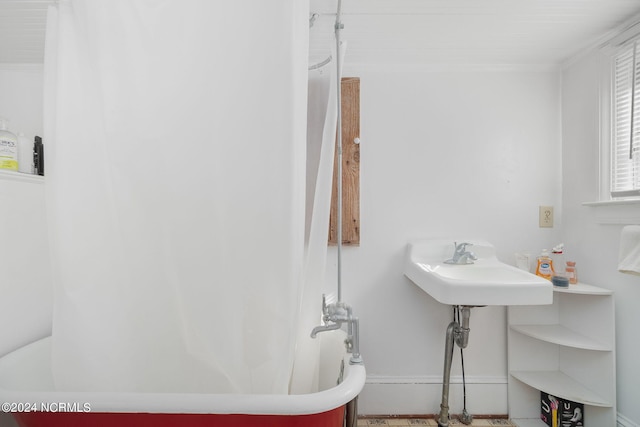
(28, 393)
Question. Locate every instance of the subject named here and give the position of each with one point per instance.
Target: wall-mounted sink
(485, 282)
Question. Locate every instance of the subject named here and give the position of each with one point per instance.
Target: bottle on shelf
(572, 273)
(557, 255)
(25, 154)
(8, 147)
(545, 265)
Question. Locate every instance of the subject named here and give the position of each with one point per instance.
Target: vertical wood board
(350, 168)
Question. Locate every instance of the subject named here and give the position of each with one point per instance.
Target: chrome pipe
(353, 338)
(325, 328)
(462, 332)
(351, 413)
(456, 334)
(337, 28)
(443, 417)
(334, 315)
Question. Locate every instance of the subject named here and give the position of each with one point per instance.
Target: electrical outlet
(546, 216)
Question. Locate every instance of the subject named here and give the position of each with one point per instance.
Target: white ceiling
(22, 30)
(416, 32)
(505, 32)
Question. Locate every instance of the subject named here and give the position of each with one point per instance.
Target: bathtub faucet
(333, 316)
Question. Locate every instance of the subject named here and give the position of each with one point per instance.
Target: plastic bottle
(572, 273)
(25, 154)
(8, 148)
(545, 265)
(558, 258)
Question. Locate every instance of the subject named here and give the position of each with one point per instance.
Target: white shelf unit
(7, 175)
(566, 349)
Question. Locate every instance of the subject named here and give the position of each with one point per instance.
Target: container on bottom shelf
(557, 412)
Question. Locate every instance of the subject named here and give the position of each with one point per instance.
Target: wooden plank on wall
(350, 168)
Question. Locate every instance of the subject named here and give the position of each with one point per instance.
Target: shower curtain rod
(312, 20)
(320, 64)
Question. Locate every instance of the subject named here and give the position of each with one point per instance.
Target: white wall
(21, 97)
(449, 153)
(596, 245)
(26, 296)
(26, 303)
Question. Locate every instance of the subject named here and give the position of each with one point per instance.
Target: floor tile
(377, 422)
(398, 422)
(402, 422)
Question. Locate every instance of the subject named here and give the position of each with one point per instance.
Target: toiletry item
(545, 265)
(25, 154)
(8, 148)
(572, 273)
(560, 280)
(523, 261)
(558, 257)
(38, 156)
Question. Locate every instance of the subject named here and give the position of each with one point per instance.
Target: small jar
(560, 280)
(572, 273)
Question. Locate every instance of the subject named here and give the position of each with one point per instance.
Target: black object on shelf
(38, 156)
(566, 413)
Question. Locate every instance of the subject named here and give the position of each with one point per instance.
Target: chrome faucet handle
(462, 246)
(325, 309)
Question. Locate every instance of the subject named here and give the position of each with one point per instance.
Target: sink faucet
(461, 255)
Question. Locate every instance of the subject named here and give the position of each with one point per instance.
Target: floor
(429, 422)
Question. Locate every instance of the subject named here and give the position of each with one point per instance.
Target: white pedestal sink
(485, 282)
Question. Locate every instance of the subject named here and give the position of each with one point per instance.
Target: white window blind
(625, 154)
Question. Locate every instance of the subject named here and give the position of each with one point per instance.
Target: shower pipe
(335, 314)
(337, 29)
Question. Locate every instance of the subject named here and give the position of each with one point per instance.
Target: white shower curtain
(175, 137)
(321, 135)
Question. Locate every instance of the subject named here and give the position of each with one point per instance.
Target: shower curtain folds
(175, 193)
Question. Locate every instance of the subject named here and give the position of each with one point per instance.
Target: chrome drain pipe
(457, 333)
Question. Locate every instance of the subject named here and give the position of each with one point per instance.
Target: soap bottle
(572, 273)
(25, 154)
(558, 258)
(8, 148)
(545, 265)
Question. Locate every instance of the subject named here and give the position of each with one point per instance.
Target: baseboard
(398, 395)
(625, 422)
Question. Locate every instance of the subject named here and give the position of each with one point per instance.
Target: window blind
(625, 155)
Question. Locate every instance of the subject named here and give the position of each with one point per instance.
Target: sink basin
(485, 282)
